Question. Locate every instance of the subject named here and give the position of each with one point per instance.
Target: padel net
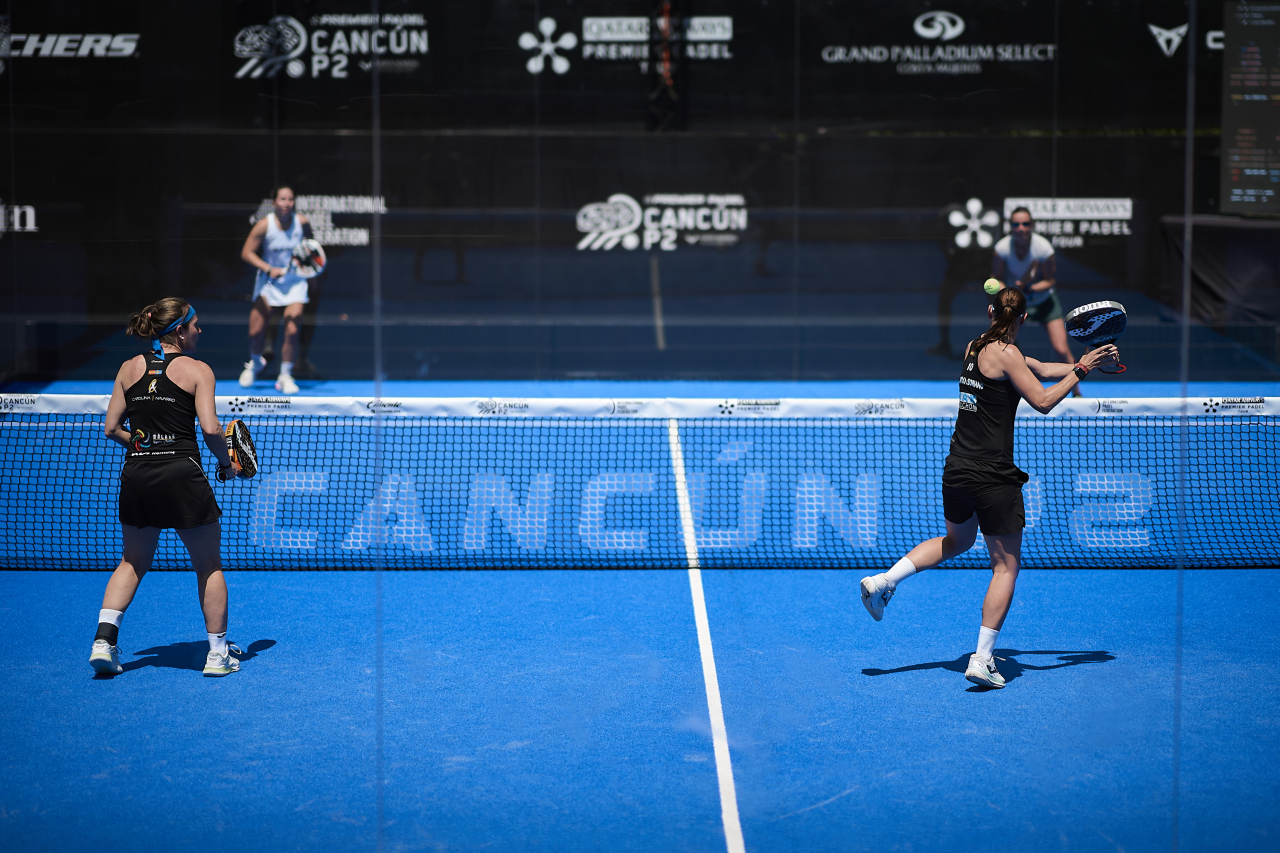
(457, 483)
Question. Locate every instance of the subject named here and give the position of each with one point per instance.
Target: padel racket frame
(241, 449)
(1098, 324)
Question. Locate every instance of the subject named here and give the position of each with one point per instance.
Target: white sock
(218, 643)
(111, 617)
(901, 570)
(987, 642)
(286, 368)
(258, 362)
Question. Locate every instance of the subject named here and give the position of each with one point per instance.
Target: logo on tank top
(141, 441)
(972, 383)
(151, 389)
(968, 402)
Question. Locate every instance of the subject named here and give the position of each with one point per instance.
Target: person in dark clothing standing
(163, 483)
(981, 487)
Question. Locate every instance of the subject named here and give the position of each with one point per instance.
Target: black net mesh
(461, 492)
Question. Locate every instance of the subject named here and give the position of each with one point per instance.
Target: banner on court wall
(664, 222)
(320, 209)
(331, 45)
(1075, 222)
(658, 408)
(907, 46)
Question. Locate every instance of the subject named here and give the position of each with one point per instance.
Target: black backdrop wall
(798, 189)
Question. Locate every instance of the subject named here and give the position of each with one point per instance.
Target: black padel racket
(1097, 324)
(241, 450)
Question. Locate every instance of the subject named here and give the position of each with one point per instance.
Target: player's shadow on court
(189, 655)
(1006, 661)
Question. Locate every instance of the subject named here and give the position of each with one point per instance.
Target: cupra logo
(1168, 39)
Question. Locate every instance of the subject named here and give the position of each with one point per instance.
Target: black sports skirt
(992, 490)
(171, 493)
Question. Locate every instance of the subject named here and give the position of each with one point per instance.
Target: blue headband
(155, 340)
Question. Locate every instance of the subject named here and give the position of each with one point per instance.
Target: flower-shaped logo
(237, 405)
(1211, 406)
(547, 47)
(974, 224)
(726, 408)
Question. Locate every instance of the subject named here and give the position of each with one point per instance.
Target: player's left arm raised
(1054, 371)
(306, 227)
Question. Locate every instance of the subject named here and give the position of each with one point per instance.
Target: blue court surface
(553, 710)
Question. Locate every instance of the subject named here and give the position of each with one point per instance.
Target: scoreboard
(1251, 110)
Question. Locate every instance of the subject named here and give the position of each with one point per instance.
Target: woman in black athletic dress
(163, 483)
(981, 487)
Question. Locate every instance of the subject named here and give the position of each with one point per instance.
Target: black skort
(991, 489)
(170, 493)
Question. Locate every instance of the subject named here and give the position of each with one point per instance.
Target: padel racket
(241, 450)
(308, 259)
(1097, 324)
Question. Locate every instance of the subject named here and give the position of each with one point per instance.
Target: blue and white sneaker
(105, 658)
(216, 665)
(876, 593)
(983, 672)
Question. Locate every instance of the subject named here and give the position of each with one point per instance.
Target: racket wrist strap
(1080, 371)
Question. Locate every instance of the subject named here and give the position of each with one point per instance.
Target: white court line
(656, 286)
(719, 736)
(682, 495)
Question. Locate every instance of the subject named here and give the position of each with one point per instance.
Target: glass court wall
(806, 189)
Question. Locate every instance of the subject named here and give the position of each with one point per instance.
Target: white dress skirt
(288, 289)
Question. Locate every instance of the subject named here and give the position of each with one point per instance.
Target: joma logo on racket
(1093, 325)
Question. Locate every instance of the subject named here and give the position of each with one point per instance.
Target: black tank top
(984, 426)
(161, 415)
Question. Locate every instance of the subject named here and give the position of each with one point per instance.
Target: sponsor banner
(1075, 222)
(934, 44)
(64, 45)
(17, 218)
(624, 39)
(319, 210)
(603, 410)
(664, 221)
(55, 404)
(332, 46)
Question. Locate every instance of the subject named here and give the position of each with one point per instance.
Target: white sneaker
(983, 672)
(216, 665)
(249, 374)
(105, 658)
(876, 593)
(286, 384)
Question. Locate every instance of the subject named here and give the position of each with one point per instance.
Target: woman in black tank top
(981, 487)
(163, 483)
